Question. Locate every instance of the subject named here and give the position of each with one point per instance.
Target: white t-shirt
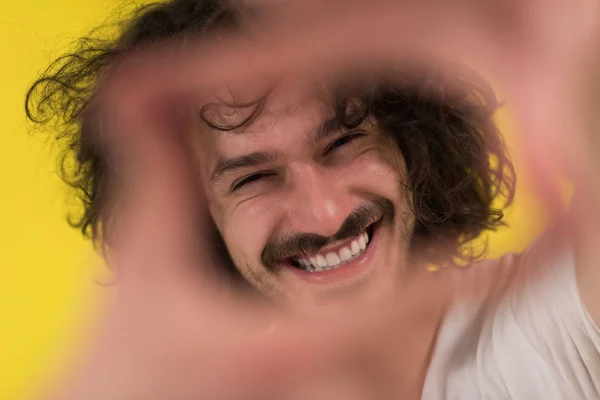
(537, 342)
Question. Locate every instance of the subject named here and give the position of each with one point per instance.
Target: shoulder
(482, 282)
(520, 321)
(544, 271)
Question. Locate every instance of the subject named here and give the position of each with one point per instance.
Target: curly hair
(456, 159)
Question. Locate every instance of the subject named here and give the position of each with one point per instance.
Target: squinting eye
(342, 141)
(249, 179)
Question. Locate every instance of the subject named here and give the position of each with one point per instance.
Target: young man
(320, 195)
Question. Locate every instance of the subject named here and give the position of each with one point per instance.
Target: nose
(318, 201)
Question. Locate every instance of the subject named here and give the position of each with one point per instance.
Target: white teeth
(321, 261)
(355, 247)
(362, 243)
(332, 259)
(306, 264)
(345, 254)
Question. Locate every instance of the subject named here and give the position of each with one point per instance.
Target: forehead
(289, 119)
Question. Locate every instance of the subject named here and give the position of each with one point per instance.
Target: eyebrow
(327, 128)
(228, 165)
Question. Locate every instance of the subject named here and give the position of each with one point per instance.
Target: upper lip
(334, 244)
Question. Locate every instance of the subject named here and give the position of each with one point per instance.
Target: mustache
(297, 243)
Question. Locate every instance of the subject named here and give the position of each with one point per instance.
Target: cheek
(247, 228)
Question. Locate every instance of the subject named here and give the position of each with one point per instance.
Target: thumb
(160, 223)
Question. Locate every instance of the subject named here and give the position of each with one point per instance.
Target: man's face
(307, 212)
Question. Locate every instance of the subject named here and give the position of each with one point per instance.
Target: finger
(159, 222)
(377, 329)
(280, 46)
(296, 350)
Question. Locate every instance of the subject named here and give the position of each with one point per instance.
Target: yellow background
(46, 274)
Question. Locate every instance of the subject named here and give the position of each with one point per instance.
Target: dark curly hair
(456, 159)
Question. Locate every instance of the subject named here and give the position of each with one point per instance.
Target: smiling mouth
(335, 255)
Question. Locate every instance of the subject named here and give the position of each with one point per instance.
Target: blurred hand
(173, 330)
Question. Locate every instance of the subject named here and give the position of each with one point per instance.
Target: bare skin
(171, 333)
